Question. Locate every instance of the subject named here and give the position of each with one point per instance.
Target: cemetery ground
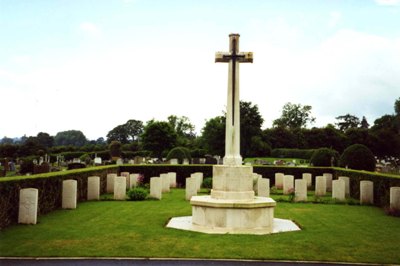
(107, 228)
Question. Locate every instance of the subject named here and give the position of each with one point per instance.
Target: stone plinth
(263, 187)
(346, 184)
(191, 187)
(93, 189)
(172, 179)
(28, 206)
(288, 184)
(155, 188)
(110, 183)
(328, 177)
(308, 178)
(395, 198)
(279, 180)
(120, 188)
(69, 190)
(320, 186)
(366, 192)
(300, 190)
(165, 182)
(338, 190)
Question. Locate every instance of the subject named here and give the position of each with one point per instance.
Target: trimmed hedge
(292, 153)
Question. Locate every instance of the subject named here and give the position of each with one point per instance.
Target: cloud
(388, 2)
(90, 28)
(334, 19)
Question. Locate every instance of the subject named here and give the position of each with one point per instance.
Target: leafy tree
(6, 140)
(294, 116)
(115, 149)
(31, 146)
(184, 130)
(250, 127)
(358, 157)
(8, 150)
(364, 123)
(259, 148)
(324, 157)
(397, 115)
(280, 137)
(358, 135)
(70, 137)
(158, 136)
(347, 121)
(45, 139)
(126, 133)
(213, 136)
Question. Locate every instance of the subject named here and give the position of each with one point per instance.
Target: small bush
(358, 157)
(207, 182)
(137, 193)
(26, 166)
(179, 153)
(324, 157)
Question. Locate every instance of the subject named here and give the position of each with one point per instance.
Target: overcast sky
(93, 65)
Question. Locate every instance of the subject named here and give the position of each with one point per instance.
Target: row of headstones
(162, 184)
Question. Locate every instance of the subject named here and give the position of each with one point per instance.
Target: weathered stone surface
(172, 179)
(308, 178)
(28, 206)
(366, 192)
(328, 177)
(279, 180)
(288, 184)
(263, 187)
(338, 190)
(69, 190)
(126, 174)
(256, 177)
(395, 198)
(191, 187)
(93, 189)
(133, 180)
(347, 184)
(320, 186)
(110, 183)
(165, 182)
(300, 190)
(156, 188)
(199, 177)
(120, 188)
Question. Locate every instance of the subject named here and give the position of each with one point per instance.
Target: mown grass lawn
(330, 232)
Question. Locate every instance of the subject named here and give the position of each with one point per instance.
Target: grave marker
(93, 189)
(156, 188)
(191, 187)
(366, 192)
(300, 190)
(28, 206)
(279, 180)
(320, 186)
(263, 187)
(110, 182)
(69, 192)
(288, 184)
(338, 190)
(120, 188)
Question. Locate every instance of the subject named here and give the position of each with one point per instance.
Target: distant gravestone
(338, 190)
(395, 198)
(328, 177)
(156, 188)
(202, 160)
(288, 184)
(346, 184)
(120, 188)
(263, 187)
(185, 161)
(366, 192)
(93, 189)
(97, 161)
(126, 174)
(173, 161)
(300, 190)
(76, 160)
(191, 188)
(120, 161)
(69, 192)
(165, 182)
(308, 178)
(110, 182)
(279, 180)
(172, 179)
(28, 206)
(133, 180)
(320, 186)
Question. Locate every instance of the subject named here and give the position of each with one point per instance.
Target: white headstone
(110, 182)
(120, 161)
(69, 190)
(395, 198)
(300, 190)
(320, 186)
(172, 179)
(173, 161)
(165, 182)
(120, 188)
(328, 177)
(288, 184)
(93, 189)
(156, 188)
(97, 160)
(191, 187)
(128, 179)
(263, 187)
(338, 190)
(185, 161)
(133, 180)
(346, 184)
(279, 180)
(28, 206)
(308, 178)
(366, 192)
(199, 177)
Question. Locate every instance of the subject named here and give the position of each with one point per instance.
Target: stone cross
(232, 133)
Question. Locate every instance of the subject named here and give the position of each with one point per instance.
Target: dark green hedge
(293, 153)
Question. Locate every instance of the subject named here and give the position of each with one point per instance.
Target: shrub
(180, 153)
(115, 148)
(26, 166)
(324, 157)
(207, 182)
(137, 193)
(358, 157)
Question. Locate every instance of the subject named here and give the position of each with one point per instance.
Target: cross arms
(242, 57)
